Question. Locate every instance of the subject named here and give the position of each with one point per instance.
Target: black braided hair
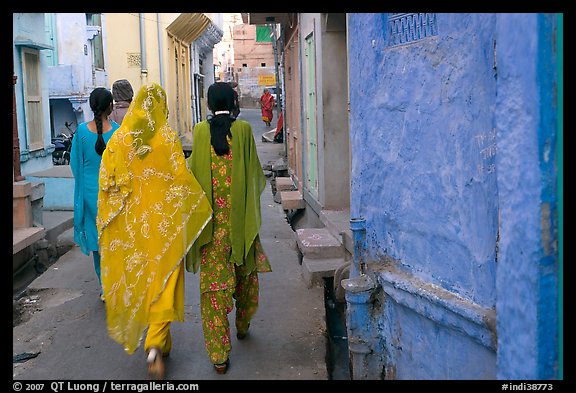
(220, 98)
(100, 100)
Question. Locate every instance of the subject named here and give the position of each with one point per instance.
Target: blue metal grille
(407, 28)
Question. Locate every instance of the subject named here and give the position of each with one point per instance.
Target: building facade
(437, 143)
(30, 44)
(171, 49)
(453, 122)
(254, 62)
(76, 67)
(224, 65)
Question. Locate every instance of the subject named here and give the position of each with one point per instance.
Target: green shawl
(248, 182)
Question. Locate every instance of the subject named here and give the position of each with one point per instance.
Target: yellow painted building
(171, 49)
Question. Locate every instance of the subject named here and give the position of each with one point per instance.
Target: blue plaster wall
(30, 27)
(527, 272)
(432, 123)
(428, 190)
(428, 350)
(58, 192)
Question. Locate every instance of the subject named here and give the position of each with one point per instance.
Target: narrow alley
(413, 210)
(67, 329)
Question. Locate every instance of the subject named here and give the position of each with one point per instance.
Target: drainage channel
(337, 354)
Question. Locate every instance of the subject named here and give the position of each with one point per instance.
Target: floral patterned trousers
(221, 280)
(215, 306)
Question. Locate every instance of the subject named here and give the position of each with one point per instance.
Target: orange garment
(266, 104)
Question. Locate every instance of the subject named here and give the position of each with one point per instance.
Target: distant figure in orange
(266, 105)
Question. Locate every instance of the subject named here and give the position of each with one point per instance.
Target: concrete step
(24, 237)
(292, 200)
(279, 165)
(280, 168)
(318, 243)
(268, 166)
(284, 184)
(57, 222)
(338, 224)
(315, 270)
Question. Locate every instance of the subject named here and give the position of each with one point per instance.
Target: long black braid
(220, 98)
(100, 100)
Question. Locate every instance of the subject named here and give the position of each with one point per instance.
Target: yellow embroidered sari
(151, 209)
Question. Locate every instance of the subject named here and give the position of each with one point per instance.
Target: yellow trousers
(163, 310)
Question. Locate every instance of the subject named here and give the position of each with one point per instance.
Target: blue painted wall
(428, 123)
(29, 27)
(527, 272)
(427, 350)
(59, 191)
(428, 189)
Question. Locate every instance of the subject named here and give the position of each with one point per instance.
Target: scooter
(62, 147)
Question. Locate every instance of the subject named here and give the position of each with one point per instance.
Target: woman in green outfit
(228, 252)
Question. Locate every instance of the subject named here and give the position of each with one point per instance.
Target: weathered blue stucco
(429, 185)
(444, 206)
(428, 350)
(526, 161)
(560, 182)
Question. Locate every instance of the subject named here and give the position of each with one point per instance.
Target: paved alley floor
(64, 329)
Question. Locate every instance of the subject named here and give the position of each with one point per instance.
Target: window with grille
(410, 27)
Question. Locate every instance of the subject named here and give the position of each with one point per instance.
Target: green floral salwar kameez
(221, 280)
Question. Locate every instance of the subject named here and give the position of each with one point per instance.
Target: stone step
(314, 270)
(57, 222)
(338, 223)
(292, 200)
(284, 184)
(279, 165)
(268, 166)
(318, 243)
(24, 237)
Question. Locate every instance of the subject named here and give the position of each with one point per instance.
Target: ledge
(32, 44)
(24, 237)
(438, 304)
(338, 223)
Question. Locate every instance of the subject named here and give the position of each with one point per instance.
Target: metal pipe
(143, 70)
(282, 89)
(160, 50)
(358, 227)
(360, 290)
(359, 294)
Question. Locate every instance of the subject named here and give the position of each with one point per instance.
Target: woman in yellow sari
(151, 209)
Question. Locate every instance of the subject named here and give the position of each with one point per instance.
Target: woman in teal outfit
(88, 145)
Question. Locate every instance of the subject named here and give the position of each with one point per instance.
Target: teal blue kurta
(85, 165)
